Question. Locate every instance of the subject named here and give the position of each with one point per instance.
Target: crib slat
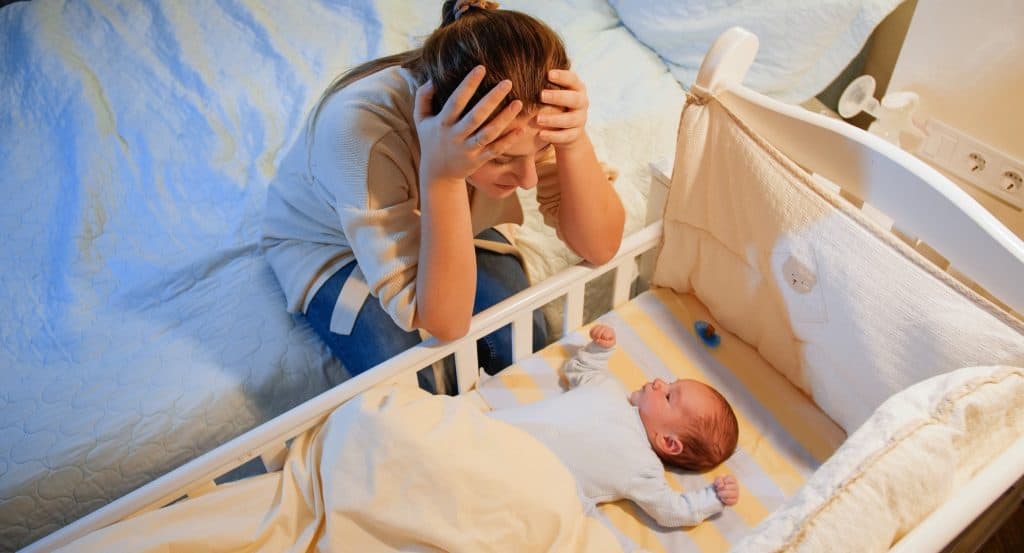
(572, 315)
(522, 335)
(625, 274)
(201, 488)
(273, 461)
(467, 365)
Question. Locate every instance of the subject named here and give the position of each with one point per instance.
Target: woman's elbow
(446, 328)
(603, 254)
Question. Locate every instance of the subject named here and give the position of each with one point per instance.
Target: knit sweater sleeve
(365, 165)
(672, 509)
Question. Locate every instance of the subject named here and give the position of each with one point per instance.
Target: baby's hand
(727, 489)
(603, 335)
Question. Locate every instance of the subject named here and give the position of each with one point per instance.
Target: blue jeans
(376, 338)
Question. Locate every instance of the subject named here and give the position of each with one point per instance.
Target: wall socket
(973, 161)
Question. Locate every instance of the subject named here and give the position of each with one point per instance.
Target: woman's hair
(510, 44)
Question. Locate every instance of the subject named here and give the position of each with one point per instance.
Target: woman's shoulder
(385, 98)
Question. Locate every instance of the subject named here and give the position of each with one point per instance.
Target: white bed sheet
(141, 326)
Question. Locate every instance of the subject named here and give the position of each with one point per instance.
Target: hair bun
(462, 5)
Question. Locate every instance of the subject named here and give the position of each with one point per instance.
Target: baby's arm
(672, 509)
(592, 359)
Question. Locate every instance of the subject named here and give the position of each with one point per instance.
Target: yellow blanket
(394, 469)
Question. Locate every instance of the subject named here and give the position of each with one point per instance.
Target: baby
(614, 442)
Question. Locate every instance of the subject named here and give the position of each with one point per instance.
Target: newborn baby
(614, 441)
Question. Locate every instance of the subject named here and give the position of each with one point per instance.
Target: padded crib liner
(784, 437)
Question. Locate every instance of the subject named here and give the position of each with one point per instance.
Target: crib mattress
(783, 438)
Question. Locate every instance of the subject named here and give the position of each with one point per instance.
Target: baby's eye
(499, 161)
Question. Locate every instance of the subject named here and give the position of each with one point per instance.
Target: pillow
(804, 45)
(917, 449)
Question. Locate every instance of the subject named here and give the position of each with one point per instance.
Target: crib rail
(268, 441)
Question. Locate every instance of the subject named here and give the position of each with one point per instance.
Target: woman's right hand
(452, 148)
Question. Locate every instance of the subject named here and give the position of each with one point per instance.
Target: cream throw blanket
(394, 469)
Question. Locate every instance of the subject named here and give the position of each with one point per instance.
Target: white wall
(966, 60)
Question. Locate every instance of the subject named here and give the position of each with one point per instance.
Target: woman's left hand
(564, 127)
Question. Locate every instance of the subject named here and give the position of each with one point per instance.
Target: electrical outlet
(973, 161)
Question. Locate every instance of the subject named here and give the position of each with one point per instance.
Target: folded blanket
(393, 470)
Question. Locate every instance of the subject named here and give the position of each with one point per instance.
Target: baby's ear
(670, 444)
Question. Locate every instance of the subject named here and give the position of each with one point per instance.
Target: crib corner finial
(728, 60)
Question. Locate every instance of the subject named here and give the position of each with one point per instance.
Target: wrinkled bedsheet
(394, 469)
(141, 326)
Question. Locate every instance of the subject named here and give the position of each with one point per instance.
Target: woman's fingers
(424, 94)
(564, 120)
(497, 126)
(483, 109)
(571, 99)
(462, 95)
(561, 136)
(498, 147)
(566, 78)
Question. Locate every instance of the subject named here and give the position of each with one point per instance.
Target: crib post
(467, 366)
(625, 274)
(728, 60)
(522, 335)
(572, 314)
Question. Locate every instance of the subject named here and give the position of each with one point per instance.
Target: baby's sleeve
(589, 362)
(670, 508)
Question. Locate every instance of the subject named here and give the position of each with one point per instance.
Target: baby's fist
(603, 335)
(727, 489)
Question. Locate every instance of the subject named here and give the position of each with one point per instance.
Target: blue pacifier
(707, 333)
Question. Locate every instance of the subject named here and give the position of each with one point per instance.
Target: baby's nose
(659, 383)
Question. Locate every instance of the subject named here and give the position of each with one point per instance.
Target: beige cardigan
(352, 192)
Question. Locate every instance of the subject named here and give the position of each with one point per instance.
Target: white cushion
(912, 455)
(804, 45)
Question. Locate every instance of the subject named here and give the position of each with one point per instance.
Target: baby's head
(688, 423)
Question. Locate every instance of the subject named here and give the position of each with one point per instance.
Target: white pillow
(915, 452)
(805, 44)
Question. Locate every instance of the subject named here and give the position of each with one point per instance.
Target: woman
(411, 156)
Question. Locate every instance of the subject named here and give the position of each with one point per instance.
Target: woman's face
(516, 167)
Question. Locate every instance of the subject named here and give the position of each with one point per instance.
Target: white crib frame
(942, 215)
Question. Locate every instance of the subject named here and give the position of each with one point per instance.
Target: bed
(137, 169)
(906, 466)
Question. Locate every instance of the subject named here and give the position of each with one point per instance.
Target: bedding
(394, 469)
(913, 454)
(141, 325)
(804, 45)
(783, 436)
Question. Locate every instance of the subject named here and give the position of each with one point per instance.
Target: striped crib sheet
(783, 438)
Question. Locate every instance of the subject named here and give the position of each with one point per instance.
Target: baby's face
(666, 408)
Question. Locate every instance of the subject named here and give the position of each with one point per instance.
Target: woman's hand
(567, 128)
(451, 148)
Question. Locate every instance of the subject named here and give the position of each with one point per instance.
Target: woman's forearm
(446, 276)
(590, 214)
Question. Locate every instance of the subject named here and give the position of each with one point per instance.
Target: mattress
(141, 326)
(783, 436)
